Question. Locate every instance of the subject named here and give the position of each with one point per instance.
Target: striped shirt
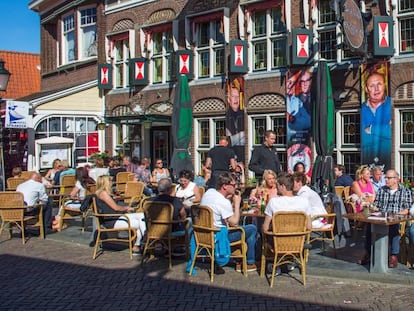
(395, 202)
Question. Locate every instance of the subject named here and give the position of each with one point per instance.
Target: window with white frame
(210, 48)
(328, 33)
(405, 127)
(68, 42)
(162, 60)
(348, 152)
(268, 39)
(406, 25)
(121, 56)
(275, 122)
(88, 43)
(81, 128)
(207, 134)
(84, 45)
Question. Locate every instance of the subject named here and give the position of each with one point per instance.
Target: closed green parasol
(323, 130)
(182, 127)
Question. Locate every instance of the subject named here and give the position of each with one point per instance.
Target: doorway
(161, 144)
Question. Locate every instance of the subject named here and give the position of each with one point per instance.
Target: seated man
(316, 206)
(393, 198)
(164, 194)
(34, 192)
(286, 201)
(143, 173)
(225, 204)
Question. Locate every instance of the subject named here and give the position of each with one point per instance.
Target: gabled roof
(25, 73)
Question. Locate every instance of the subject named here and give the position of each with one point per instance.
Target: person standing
(225, 201)
(265, 157)
(220, 159)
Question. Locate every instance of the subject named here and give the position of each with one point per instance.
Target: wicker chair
(134, 194)
(12, 211)
(26, 174)
(13, 182)
(284, 244)
(106, 233)
(204, 234)
(67, 212)
(326, 233)
(159, 222)
(121, 179)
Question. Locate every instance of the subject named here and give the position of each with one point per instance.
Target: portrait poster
(2, 177)
(298, 118)
(376, 117)
(234, 122)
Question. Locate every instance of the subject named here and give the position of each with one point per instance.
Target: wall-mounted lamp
(101, 126)
(147, 124)
(4, 76)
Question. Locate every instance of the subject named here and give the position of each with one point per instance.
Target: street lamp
(4, 76)
(4, 80)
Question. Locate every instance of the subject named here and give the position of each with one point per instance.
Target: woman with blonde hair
(108, 206)
(362, 188)
(268, 188)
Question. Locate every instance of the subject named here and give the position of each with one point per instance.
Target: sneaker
(269, 268)
(250, 267)
(393, 261)
(291, 267)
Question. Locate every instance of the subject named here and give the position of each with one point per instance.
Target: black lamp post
(4, 80)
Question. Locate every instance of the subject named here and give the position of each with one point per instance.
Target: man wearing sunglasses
(393, 198)
(224, 200)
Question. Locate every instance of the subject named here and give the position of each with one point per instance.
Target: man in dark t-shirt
(164, 195)
(220, 159)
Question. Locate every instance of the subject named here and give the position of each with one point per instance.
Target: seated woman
(362, 189)
(268, 188)
(55, 168)
(159, 172)
(83, 181)
(109, 206)
(187, 190)
(299, 167)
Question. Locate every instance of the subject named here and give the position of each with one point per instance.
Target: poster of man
(376, 119)
(298, 114)
(235, 116)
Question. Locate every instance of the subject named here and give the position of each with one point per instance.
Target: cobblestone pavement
(59, 274)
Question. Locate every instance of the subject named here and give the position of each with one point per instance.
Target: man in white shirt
(316, 206)
(34, 192)
(225, 201)
(286, 201)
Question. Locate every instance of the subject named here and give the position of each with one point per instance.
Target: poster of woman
(298, 114)
(376, 119)
(235, 116)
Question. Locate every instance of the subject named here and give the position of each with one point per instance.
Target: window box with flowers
(409, 184)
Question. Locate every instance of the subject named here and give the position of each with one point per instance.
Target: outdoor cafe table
(379, 237)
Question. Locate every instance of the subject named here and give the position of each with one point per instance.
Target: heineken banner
(376, 116)
(298, 114)
(235, 116)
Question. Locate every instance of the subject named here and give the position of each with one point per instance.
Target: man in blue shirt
(342, 179)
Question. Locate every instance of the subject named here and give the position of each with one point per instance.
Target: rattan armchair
(134, 194)
(285, 243)
(159, 222)
(12, 213)
(326, 233)
(204, 234)
(121, 180)
(107, 233)
(13, 182)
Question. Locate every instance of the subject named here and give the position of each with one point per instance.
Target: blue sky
(19, 27)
